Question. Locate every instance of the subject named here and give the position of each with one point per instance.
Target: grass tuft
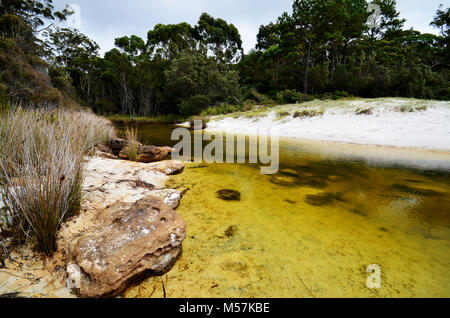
(131, 134)
(41, 168)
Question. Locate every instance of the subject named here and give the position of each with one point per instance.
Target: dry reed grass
(41, 165)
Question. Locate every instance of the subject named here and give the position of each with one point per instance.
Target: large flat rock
(127, 241)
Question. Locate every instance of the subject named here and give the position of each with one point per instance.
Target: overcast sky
(105, 20)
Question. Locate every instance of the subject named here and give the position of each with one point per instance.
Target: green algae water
(312, 229)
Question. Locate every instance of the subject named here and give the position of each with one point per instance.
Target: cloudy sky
(105, 20)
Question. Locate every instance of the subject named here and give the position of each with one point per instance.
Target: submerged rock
(229, 195)
(126, 241)
(317, 183)
(231, 231)
(319, 199)
(289, 178)
(359, 211)
(284, 180)
(285, 177)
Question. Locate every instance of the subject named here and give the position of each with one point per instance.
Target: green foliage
(364, 111)
(249, 104)
(325, 47)
(194, 105)
(222, 109)
(220, 37)
(307, 113)
(291, 97)
(322, 48)
(282, 114)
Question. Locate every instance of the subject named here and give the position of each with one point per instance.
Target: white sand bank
(393, 122)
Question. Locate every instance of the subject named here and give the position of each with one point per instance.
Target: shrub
(340, 94)
(222, 109)
(361, 111)
(282, 114)
(421, 108)
(257, 96)
(249, 104)
(291, 96)
(194, 105)
(41, 161)
(308, 113)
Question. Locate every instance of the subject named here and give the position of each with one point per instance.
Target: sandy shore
(395, 122)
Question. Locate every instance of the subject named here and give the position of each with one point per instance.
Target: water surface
(312, 229)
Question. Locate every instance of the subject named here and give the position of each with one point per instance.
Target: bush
(308, 113)
(194, 105)
(222, 109)
(291, 96)
(41, 165)
(364, 111)
(248, 105)
(257, 96)
(282, 114)
(340, 94)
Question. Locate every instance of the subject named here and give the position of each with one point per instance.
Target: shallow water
(389, 207)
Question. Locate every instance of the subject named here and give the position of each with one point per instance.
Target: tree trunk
(308, 58)
(333, 55)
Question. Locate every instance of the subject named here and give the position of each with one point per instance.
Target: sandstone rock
(107, 155)
(125, 242)
(169, 196)
(116, 145)
(105, 149)
(109, 181)
(168, 167)
(147, 154)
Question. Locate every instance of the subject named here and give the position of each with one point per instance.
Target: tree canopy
(322, 49)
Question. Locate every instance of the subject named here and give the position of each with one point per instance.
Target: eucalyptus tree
(120, 69)
(309, 18)
(221, 38)
(171, 39)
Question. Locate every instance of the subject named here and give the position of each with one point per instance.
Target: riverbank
(396, 122)
(108, 183)
(133, 120)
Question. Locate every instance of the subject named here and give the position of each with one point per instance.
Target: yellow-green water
(383, 210)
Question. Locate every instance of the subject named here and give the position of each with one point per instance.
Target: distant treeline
(326, 48)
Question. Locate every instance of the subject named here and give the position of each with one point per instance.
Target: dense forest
(322, 49)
